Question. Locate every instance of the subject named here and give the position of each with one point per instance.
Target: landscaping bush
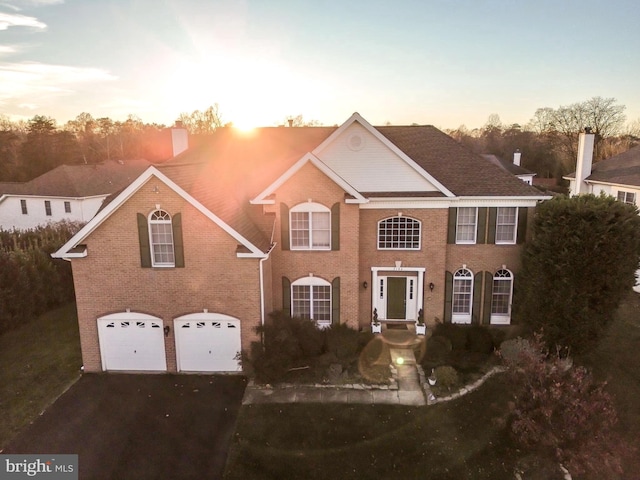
(479, 340)
(513, 351)
(342, 341)
(437, 349)
(447, 377)
(457, 334)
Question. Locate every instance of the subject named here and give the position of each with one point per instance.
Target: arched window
(462, 296)
(310, 225)
(161, 239)
(311, 298)
(399, 233)
(502, 292)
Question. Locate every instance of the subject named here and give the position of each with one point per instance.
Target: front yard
(40, 360)
(463, 439)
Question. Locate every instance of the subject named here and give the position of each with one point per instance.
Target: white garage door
(207, 342)
(131, 341)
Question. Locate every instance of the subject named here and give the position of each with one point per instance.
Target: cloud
(32, 83)
(16, 20)
(7, 49)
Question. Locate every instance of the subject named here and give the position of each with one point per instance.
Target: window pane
(299, 229)
(501, 298)
(322, 303)
(400, 233)
(161, 241)
(506, 225)
(461, 296)
(466, 225)
(301, 301)
(321, 223)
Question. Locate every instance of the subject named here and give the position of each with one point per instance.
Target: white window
(506, 225)
(161, 239)
(399, 233)
(67, 207)
(311, 298)
(462, 296)
(310, 225)
(627, 197)
(47, 207)
(466, 225)
(501, 297)
(23, 206)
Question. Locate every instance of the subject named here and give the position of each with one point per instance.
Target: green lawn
(39, 361)
(462, 439)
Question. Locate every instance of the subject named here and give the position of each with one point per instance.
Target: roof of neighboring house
(79, 180)
(508, 166)
(623, 169)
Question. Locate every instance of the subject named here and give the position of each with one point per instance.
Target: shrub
(457, 334)
(515, 350)
(447, 377)
(479, 340)
(342, 341)
(437, 349)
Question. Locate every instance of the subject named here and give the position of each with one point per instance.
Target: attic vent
(356, 142)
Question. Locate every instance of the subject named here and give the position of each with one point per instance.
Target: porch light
(365, 284)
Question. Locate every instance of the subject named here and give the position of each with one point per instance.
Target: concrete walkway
(409, 391)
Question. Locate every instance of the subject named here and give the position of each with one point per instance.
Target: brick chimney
(586, 141)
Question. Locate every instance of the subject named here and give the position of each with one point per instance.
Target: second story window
(23, 206)
(161, 239)
(466, 225)
(506, 225)
(627, 197)
(47, 207)
(310, 225)
(399, 233)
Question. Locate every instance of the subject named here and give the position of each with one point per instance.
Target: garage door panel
(132, 345)
(208, 346)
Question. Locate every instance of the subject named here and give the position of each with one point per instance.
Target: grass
(39, 361)
(463, 439)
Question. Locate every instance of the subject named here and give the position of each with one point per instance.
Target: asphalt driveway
(140, 426)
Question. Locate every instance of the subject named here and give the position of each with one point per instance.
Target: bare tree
(299, 121)
(199, 122)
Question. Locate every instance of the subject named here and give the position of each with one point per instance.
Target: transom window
(501, 296)
(466, 225)
(462, 296)
(506, 223)
(399, 233)
(161, 239)
(311, 298)
(310, 225)
(627, 197)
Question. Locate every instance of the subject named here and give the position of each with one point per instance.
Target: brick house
(331, 223)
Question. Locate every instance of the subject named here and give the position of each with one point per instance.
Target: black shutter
(482, 225)
(522, 224)
(491, 231)
(143, 237)
(488, 296)
(335, 227)
(286, 296)
(284, 227)
(477, 297)
(448, 296)
(453, 220)
(335, 301)
(178, 248)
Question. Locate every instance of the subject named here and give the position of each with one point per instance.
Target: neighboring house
(177, 270)
(68, 192)
(618, 176)
(512, 167)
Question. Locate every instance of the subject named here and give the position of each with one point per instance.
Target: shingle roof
(80, 180)
(623, 169)
(505, 165)
(457, 168)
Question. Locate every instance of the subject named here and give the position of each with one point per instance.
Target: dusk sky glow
(441, 62)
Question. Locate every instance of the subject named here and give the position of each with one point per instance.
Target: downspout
(273, 245)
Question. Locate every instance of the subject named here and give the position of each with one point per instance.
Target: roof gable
(251, 249)
(370, 162)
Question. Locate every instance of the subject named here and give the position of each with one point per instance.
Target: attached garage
(207, 342)
(131, 341)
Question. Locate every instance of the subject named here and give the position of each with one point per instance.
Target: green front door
(396, 297)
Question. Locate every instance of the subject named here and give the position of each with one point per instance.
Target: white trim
(356, 117)
(513, 241)
(261, 198)
(312, 281)
(475, 229)
(495, 318)
(375, 297)
(125, 316)
(442, 202)
(400, 248)
(151, 244)
(463, 318)
(206, 316)
(128, 192)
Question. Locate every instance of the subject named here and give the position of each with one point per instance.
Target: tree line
(548, 142)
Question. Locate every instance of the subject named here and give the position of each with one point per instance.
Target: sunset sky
(440, 62)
